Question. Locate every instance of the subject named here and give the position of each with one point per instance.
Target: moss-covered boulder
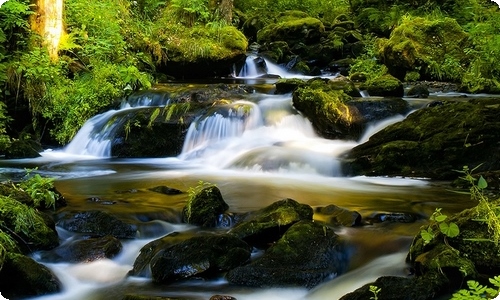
(175, 257)
(269, 223)
(434, 46)
(96, 223)
(325, 106)
(433, 142)
(204, 207)
(306, 255)
(85, 250)
(292, 27)
(200, 51)
(385, 86)
(22, 277)
(418, 91)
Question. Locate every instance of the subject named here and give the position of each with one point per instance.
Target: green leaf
(427, 235)
(441, 218)
(481, 183)
(450, 230)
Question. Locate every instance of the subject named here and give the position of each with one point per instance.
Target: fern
(477, 291)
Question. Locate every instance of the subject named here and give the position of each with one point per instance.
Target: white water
(251, 70)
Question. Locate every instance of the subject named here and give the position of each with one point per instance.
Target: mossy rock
(385, 86)
(34, 230)
(22, 277)
(269, 223)
(204, 208)
(96, 223)
(177, 256)
(288, 85)
(306, 255)
(326, 107)
(292, 30)
(433, 142)
(86, 250)
(433, 46)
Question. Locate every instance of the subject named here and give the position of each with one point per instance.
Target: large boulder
(306, 255)
(96, 223)
(433, 142)
(434, 47)
(326, 107)
(292, 27)
(204, 207)
(269, 223)
(23, 149)
(174, 258)
(22, 277)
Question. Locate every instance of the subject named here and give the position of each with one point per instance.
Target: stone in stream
(268, 224)
(86, 250)
(22, 277)
(179, 256)
(96, 223)
(307, 254)
(338, 216)
(204, 207)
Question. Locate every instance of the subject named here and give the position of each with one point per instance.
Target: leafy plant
(477, 291)
(192, 192)
(438, 224)
(41, 189)
(374, 290)
(486, 211)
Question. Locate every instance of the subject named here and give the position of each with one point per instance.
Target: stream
(270, 154)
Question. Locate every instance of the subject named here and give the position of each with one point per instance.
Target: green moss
(385, 85)
(292, 30)
(232, 38)
(433, 47)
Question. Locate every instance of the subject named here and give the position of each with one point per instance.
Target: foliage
(41, 189)
(449, 229)
(4, 121)
(486, 211)
(193, 192)
(326, 10)
(192, 11)
(367, 62)
(477, 291)
(374, 290)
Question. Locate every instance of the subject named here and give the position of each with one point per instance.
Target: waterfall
(96, 135)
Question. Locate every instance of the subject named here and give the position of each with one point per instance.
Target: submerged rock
(338, 216)
(306, 255)
(269, 223)
(204, 208)
(96, 223)
(22, 277)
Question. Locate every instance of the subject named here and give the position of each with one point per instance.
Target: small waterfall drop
(96, 135)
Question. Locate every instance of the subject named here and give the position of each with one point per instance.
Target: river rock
(22, 277)
(395, 288)
(269, 223)
(203, 209)
(174, 257)
(385, 86)
(338, 216)
(96, 223)
(84, 250)
(370, 110)
(165, 190)
(306, 255)
(433, 142)
(418, 91)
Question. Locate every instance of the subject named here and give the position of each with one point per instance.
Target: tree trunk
(49, 24)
